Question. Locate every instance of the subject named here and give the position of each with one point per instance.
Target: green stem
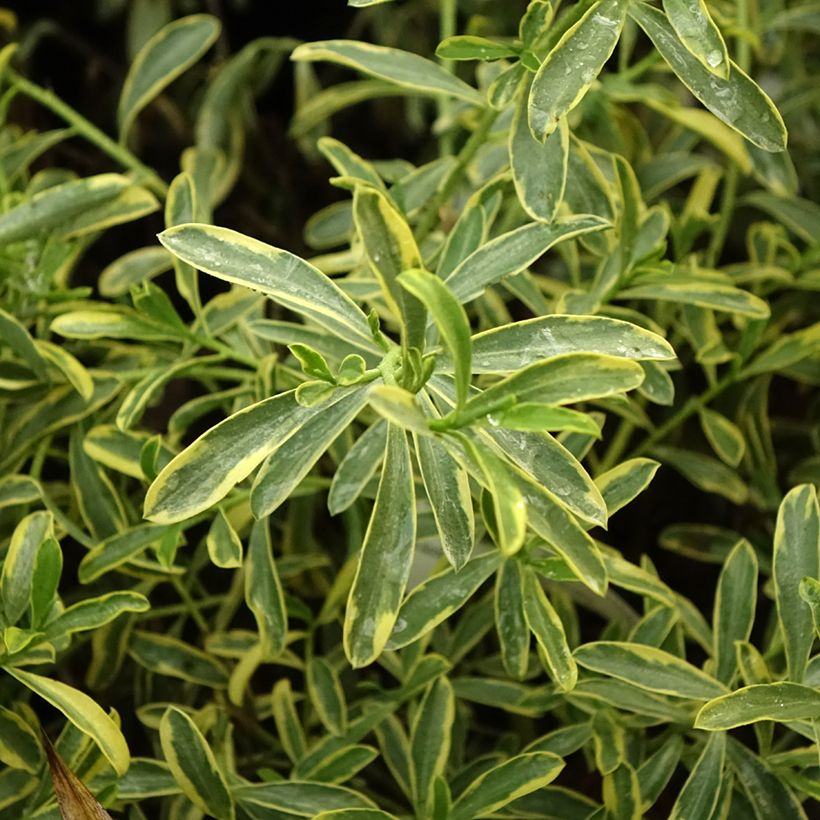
(691, 407)
(447, 28)
(616, 446)
(430, 214)
(190, 605)
(90, 131)
(727, 207)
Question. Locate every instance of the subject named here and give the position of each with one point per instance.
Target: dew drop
(714, 58)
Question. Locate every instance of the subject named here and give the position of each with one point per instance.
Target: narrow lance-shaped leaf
(698, 32)
(181, 207)
(93, 613)
(430, 741)
(357, 467)
(735, 603)
(263, 591)
(451, 321)
(563, 379)
(326, 695)
(700, 793)
(510, 621)
(539, 169)
(400, 67)
(194, 766)
(83, 712)
(623, 483)
(435, 599)
(448, 490)
(284, 277)
(514, 251)
(519, 344)
(391, 249)
(796, 555)
(55, 206)
(171, 51)
(19, 563)
(570, 68)
(203, 473)
(287, 466)
(738, 101)
(506, 782)
(385, 558)
(508, 503)
(288, 726)
(782, 701)
(545, 623)
(19, 745)
(224, 546)
(15, 335)
(648, 668)
(48, 567)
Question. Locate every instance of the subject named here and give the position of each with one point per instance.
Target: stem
(691, 407)
(90, 131)
(727, 207)
(616, 446)
(430, 214)
(190, 605)
(447, 28)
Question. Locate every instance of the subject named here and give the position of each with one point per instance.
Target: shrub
(333, 541)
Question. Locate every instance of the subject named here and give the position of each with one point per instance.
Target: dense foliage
(321, 529)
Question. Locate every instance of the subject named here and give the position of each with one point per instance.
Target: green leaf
(300, 798)
(430, 742)
(165, 655)
(391, 249)
(402, 68)
(326, 695)
(385, 557)
(563, 379)
(810, 592)
(83, 712)
(263, 591)
(451, 321)
(470, 47)
(622, 793)
(117, 549)
(506, 782)
(796, 555)
(648, 668)
(519, 344)
(571, 67)
(48, 567)
(787, 349)
(286, 467)
(704, 472)
(510, 620)
(56, 206)
(121, 323)
(608, 741)
(19, 563)
(767, 793)
(170, 52)
(284, 277)
(357, 814)
(15, 335)
(343, 765)
(357, 467)
(533, 417)
(734, 611)
(700, 793)
(194, 766)
(130, 204)
(448, 490)
(76, 374)
(19, 745)
(800, 216)
(203, 473)
(738, 101)
(697, 31)
(508, 504)
(725, 437)
(133, 268)
(702, 293)
(781, 701)
(623, 483)
(539, 169)
(288, 728)
(224, 546)
(545, 623)
(437, 598)
(93, 613)
(514, 251)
